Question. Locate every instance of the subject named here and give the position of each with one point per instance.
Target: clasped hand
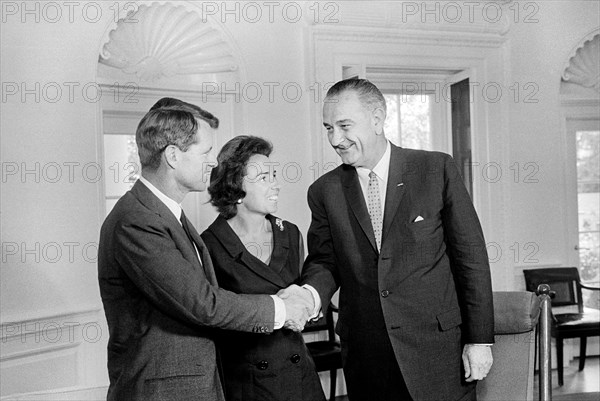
(299, 305)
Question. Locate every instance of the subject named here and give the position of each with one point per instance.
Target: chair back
(511, 376)
(564, 282)
(327, 355)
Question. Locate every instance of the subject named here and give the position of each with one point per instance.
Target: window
(121, 160)
(584, 201)
(588, 203)
(122, 166)
(428, 121)
(408, 122)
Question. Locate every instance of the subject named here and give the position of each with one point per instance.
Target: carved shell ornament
(584, 66)
(163, 40)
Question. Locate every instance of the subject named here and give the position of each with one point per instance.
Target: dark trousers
(370, 367)
(372, 373)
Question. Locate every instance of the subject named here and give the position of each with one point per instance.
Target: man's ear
(378, 118)
(171, 155)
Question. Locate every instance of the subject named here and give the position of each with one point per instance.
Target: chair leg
(582, 349)
(559, 360)
(332, 384)
(535, 352)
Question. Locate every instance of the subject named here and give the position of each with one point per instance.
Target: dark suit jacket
(432, 276)
(161, 304)
(257, 367)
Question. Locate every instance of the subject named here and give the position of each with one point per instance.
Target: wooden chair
(327, 354)
(581, 322)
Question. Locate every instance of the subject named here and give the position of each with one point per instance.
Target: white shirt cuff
(280, 312)
(316, 313)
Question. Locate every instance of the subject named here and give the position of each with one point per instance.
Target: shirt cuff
(280, 312)
(316, 312)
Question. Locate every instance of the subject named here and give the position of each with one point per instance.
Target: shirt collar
(382, 168)
(173, 206)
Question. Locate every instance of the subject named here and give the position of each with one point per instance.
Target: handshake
(299, 306)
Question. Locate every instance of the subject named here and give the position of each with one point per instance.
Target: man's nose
(335, 137)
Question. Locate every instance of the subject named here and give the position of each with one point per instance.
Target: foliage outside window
(588, 194)
(408, 122)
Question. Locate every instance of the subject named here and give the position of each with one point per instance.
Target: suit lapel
(356, 200)
(232, 244)
(395, 189)
(151, 201)
(281, 247)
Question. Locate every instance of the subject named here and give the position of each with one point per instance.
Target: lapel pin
(401, 184)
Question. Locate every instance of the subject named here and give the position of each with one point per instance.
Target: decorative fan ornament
(163, 40)
(584, 66)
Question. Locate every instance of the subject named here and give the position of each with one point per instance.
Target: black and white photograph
(300, 200)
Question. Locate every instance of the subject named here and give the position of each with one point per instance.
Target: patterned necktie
(186, 228)
(374, 206)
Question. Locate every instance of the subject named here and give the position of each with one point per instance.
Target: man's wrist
(316, 312)
(280, 312)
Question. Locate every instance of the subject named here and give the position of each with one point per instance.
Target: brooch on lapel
(279, 223)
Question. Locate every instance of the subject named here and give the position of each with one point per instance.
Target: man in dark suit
(157, 281)
(396, 231)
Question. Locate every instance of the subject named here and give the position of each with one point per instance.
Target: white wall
(40, 217)
(50, 220)
(274, 54)
(538, 55)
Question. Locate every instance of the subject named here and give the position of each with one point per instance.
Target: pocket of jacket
(449, 319)
(165, 372)
(424, 227)
(182, 385)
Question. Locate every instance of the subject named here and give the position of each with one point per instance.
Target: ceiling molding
(487, 17)
(407, 37)
(215, 95)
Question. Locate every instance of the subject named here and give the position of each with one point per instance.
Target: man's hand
(302, 293)
(299, 304)
(478, 361)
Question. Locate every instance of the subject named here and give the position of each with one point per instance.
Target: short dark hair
(369, 94)
(226, 179)
(198, 111)
(169, 122)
